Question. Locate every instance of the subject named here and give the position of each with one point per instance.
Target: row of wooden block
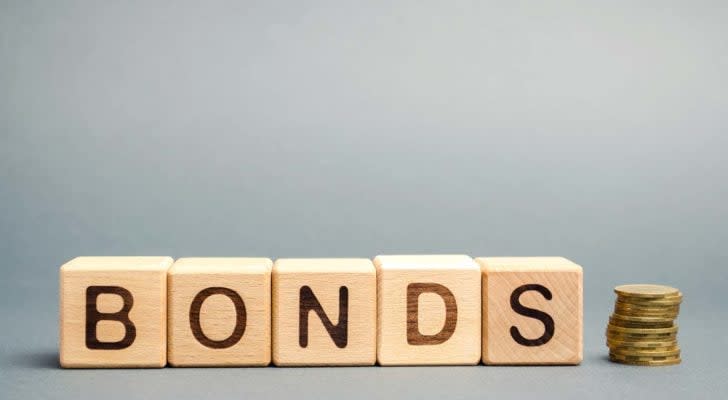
(396, 310)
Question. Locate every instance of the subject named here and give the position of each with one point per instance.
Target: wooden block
(428, 310)
(219, 312)
(324, 312)
(114, 312)
(532, 310)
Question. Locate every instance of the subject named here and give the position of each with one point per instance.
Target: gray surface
(596, 132)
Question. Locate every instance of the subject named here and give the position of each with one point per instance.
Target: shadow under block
(428, 310)
(324, 312)
(532, 310)
(114, 312)
(219, 312)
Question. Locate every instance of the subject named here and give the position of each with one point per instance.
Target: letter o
(240, 318)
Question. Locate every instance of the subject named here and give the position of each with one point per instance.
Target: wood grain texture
(428, 342)
(532, 310)
(113, 312)
(310, 326)
(219, 312)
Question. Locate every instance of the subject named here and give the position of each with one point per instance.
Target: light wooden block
(114, 312)
(219, 312)
(532, 310)
(324, 312)
(428, 310)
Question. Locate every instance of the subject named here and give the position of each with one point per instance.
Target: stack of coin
(641, 331)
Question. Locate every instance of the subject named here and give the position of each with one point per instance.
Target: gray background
(596, 131)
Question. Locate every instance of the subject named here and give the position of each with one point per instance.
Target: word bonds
(121, 312)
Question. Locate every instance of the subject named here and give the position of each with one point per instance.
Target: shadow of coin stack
(642, 329)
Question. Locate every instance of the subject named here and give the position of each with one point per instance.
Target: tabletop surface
(594, 132)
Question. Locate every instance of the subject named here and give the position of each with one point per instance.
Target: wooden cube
(532, 310)
(114, 312)
(428, 310)
(219, 312)
(324, 312)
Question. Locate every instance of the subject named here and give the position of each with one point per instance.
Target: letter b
(113, 312)
(93, 316)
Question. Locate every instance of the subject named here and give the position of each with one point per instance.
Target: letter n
(309, 302)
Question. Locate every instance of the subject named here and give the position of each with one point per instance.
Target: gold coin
(653, 363)
(649, 363)
(642, 339)
(645, 353)
(638, 357)
(664, 346)
(646, 291)
(639, 325)
(643, 357)
(662, 337)
(646, 302)
(641, 344)
(649, 304)
(646, 310)
(665, 306)
(642, 320)
(666, 361)
(641, 331)
(636, 309)
(641, 351)
(662, 316)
